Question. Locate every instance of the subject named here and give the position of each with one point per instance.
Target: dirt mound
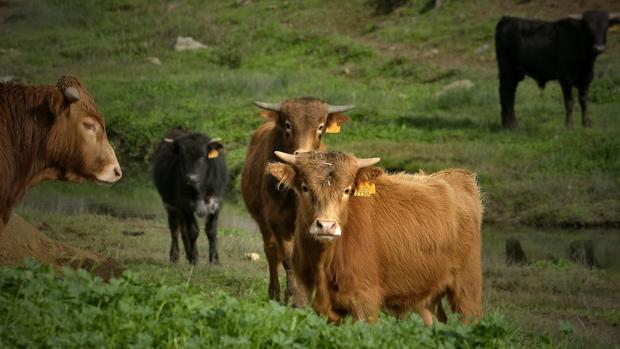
(21, 239)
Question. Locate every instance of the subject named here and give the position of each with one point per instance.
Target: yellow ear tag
(333, 128)
(365, 189)
(213, 154)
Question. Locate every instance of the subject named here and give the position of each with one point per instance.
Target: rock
(252, 256)
(456, 85)
(431, 53)
(482, 49)
(187, 43)
(514, 252)
(7, 78)
(154, 60)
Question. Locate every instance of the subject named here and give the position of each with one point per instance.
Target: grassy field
(540, 181)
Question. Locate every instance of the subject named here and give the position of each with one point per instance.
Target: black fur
(563, 50)
(180, 155)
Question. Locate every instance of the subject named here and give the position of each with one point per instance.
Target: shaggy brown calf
(294, 125)
(50, 132)
(367, 240)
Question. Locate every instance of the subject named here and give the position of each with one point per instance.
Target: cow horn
(614, 15)
(268, 106)
(71, 94)
(338, 108)
(575, 16)
(213, 140)
(367, 162)
(286, 157)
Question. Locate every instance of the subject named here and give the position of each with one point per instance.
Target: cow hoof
(215, 262)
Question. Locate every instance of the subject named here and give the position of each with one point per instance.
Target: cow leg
(507, 91)
(567, 91)
(583, 101)
(175, 228)
(190, 234)
(270, 245)
(291, 285)
(211, 230)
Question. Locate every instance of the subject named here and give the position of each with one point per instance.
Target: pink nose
(326, 227)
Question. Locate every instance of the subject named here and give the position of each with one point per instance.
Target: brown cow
(291, 126)
(414, 240)
(50, 132)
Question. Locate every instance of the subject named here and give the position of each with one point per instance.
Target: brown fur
(273, 209)
(404, 248)
(43, 136)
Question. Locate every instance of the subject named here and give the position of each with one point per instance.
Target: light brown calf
(403, 247)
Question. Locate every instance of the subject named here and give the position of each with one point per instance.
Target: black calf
(190, 174)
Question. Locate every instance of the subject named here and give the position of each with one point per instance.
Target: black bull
(563, 50)
(190, 174)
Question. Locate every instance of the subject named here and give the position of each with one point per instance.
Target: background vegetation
(538, 181)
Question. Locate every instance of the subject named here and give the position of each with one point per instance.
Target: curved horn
(286, 157)
(574, 16)
(215, 140)
(367, 162)
(268, 106)
(614, 15)
(338, 108)
(71, 94)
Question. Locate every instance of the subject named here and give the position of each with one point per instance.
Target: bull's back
(527, 46)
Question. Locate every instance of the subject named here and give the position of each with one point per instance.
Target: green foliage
(41, 309)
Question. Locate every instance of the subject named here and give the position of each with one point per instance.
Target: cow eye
(347, 191)
(321, 126)
(304, 188)
(287, 124)
(89, 126)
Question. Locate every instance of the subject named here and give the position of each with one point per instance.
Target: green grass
(269, 50)
(537, 181)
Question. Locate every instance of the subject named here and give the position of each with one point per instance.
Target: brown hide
(404, 248)
(50, 132)
(298, 126)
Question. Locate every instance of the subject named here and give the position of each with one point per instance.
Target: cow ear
(213, 148)
(284, 173)
(55, 102)
(269, 115)
(367, 174)
(334, 121)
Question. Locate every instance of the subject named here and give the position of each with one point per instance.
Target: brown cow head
(78, 145)
(302, 121)
(324, 182)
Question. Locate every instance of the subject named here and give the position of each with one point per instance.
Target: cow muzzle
(111, 173)
(599, 48)
(325, 229)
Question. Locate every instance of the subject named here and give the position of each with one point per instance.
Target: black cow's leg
(507, 91)
(189, 234)
(175, 228)
(583, 101)
(211, 230)
(567, 91)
